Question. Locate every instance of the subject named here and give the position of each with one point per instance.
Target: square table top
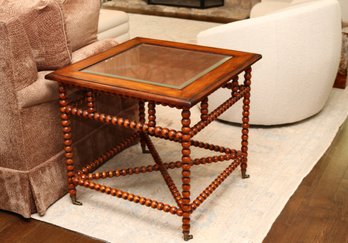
(168, 72)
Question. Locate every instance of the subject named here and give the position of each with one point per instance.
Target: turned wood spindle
(235, 86)
(186, 166)
(214, 184)
(167, 178)
(90, 102)
(152, 114)
(68, 146)
(142, 122)
(245, 122)
(129, 197)
(204, 109)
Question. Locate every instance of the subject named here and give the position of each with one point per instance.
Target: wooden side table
(164, 73)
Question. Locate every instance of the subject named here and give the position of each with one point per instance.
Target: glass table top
(159, 65)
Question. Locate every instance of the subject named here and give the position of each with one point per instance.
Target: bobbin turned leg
(68, 153)
(245, 122)
(90, 102)
(142, 120)
(186, 166)
(204, 109)
(74, 200)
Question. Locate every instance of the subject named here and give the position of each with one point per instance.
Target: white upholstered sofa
(300, 42)
(113, 24)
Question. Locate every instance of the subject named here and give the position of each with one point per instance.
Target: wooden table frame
(86, 108)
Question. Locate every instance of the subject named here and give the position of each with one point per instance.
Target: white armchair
(300, 44)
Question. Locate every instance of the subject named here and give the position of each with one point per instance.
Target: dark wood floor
(317, 212)
(15, 229)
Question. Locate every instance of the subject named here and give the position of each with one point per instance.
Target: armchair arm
(272, 6)
(256, 35)
(300, 49)
(297, 41)
(252, 35)
(267, 7)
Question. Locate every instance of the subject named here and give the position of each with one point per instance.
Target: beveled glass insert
(159, 65)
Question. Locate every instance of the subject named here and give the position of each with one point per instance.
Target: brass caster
(187, 236)
(245, 175)
(74, 201)
(146, 151)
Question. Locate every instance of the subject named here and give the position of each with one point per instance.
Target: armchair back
(301, 48)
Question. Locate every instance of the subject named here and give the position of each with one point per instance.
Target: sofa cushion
(18, 54)
(81, 19)
(44, 24)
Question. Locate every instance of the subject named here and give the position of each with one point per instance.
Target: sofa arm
(43, 90)
(113, 24)
(93, 49)
(11, 131)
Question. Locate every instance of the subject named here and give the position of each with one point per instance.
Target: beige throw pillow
(43, 21)
(81, 17)
(17, 64)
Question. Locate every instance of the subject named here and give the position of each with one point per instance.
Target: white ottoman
(113, 24)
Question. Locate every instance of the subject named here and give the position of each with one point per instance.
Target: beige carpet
(239, 211)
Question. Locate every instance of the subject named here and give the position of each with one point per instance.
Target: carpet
(240, 211)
